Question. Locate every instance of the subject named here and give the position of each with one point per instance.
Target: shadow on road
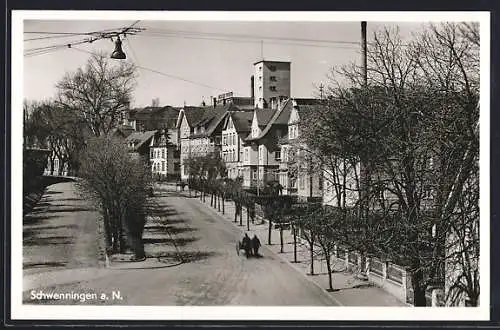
(29, 265)
(173, 230)
(33, 219)
(184, 256)
(178, 241)
(50, 240)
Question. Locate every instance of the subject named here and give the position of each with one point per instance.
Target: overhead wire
(246, 36)
(162, 73)
(245, 41)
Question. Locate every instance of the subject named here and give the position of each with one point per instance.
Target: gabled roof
(242, 120)
(154, 117)
(264, 116)
(212, 118)
(139, 138)
(193, 114)
(279, 117)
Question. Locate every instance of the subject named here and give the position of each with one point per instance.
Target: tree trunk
(223, 205)
(419, 299)
(311, 249)
(248, 220)
(269, 228)
(235, 212)
(329, 268)
(281, 238)
(240, 212)
(294, 243)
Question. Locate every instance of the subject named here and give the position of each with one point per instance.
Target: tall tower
(271, 83)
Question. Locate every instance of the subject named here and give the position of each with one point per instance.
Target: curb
(323, 290)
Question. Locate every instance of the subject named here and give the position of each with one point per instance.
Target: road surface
(212, 274)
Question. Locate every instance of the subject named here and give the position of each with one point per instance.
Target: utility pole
(365, 175)
(363, 53)
(321, 91)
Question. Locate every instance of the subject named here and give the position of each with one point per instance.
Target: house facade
(296, 175)
(164, 156)
(235, 130)
(187, 119)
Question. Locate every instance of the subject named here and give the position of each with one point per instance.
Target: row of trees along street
(399, 156)
(398, 153)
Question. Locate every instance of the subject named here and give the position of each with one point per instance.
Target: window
(224, 140)
(152, 153)
(272, 88)
(163, 166)
(246, 155)
(163, 153)
(301, 182)
(277, 155)
(260, 78)
(260, 68)
(272, 78)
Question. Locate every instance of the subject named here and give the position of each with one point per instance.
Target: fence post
(437, 296)
(368, 260)
(403, 278)
(385, 265)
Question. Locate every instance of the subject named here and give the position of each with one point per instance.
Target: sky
(194, 51)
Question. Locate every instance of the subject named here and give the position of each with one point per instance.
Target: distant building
(150, 118)
(271, 83)
(138, 143)
(242, 102)
(164, 156)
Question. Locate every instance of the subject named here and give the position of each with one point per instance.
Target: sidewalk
(348, 290)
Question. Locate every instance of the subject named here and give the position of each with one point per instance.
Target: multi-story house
(200, 132)
(186, 121)
(297, 176)
(235, 129)
(151, 118)
(207, 133)
(138, 143)
(164, 156)
(262, 153)
(271, 83)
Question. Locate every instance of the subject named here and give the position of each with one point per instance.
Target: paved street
(212, 274)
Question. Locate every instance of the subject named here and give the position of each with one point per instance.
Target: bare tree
(414, 130)
(98, 93)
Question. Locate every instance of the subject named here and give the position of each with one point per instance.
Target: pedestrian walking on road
(256, 245)
(247, 245)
